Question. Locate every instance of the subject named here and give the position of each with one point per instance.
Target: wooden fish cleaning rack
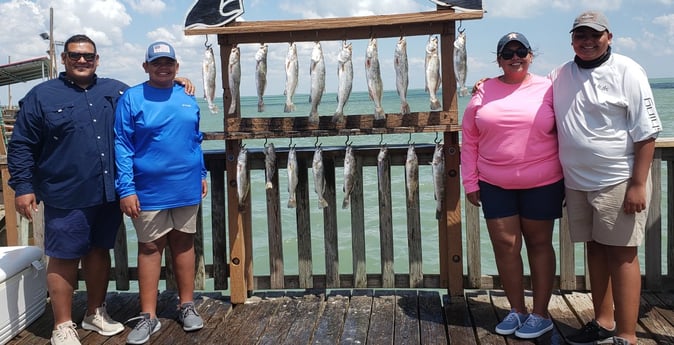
(441, 22)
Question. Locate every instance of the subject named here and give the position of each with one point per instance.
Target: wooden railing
(570, 276)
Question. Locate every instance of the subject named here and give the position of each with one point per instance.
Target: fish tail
(404, 108)
(463, 91)
(292, 202)
(289, 107)
(438, 214)
(346, 202)
(379, 113)
(435, 104)
(313, 117)
(338, 117)
(260, 106)
(322, 203)
(268, 185)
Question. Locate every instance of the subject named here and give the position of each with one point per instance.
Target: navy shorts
(539, 203)
(72, 233)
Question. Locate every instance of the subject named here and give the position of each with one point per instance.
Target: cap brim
(591, 26)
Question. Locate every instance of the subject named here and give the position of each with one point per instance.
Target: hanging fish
(345, 80)
(208, 74)
(402, 79)
(438, 168)
(373, 76)
(292, 68)
(460, 66)
(349, 175)
(292, 178)
(269, 164)
(383, 175)
(242, 183)
(317, 71)
(411, 174)
(319, 177)
(261, 75)
(432, 67)
(234, 73)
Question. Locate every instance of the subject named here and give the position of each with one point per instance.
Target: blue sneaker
(534, 327)
(511, 323)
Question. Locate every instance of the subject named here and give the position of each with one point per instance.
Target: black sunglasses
(509, 54)
(77, 56)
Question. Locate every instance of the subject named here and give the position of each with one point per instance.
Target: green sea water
(359, 103)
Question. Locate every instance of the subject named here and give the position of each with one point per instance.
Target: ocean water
(359, 103)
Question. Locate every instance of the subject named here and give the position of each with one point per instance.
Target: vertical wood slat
(670, 223)
(199, 259)
(451, 260)
(121, 254)
(11, 216)
(304, 263)
(567, 255)
(653, 236)
(386, 224)
(358, 227)
(473, 254)
(330, 226)
(416, 275)
(218, 227)
(235, 223)
(274, 235)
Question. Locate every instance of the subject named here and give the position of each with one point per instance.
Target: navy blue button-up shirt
(62, 146)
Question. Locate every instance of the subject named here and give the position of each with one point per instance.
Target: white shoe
(102, 323)
(65, 334)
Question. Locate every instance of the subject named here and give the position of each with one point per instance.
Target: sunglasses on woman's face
(509, 54)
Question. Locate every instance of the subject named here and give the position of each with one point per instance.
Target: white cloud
(152, 7)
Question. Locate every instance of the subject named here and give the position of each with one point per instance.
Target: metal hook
(409, 141)
(242, 145)
(346, 142)
(316, 143)
(460, 26)
(265, 141)
(436, 140)
(291, 142)
(206, 43)
(381, 139)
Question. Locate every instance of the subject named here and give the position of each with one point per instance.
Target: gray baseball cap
(592, 19)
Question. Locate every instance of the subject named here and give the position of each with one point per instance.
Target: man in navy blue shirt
(62, 153)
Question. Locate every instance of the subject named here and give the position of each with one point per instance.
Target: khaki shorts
(598, 216)
(152, 225)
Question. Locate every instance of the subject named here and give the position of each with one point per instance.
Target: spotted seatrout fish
(438, 168)
(242, 183)
(345, 80)
(411, 174)
(402, 79)
(319, 177)
(432, 67)
(208, 74)
(234, 73)
(349, 175)
(460, 67)
(261, 75)
(292, 68)
(373, 75)
(383, 176)
(317, 71)
(269, 164)
(292, 178)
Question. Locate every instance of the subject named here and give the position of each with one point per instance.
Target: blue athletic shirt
(62, 146)
(158, 147)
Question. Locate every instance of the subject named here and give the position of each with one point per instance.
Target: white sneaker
(102, 323)
(65, 334)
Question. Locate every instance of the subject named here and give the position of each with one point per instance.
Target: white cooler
(23, 289)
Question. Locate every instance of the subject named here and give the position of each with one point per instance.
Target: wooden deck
(364, 316)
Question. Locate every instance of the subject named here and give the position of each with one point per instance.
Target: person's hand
(477, 85)
(26, 205)
(190, 89)
(474, 198)
(204, 188)
(635, 198)
(130, 206)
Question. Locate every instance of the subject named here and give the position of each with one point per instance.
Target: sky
(122, 30)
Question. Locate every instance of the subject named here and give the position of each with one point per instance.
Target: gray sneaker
(144, 328)
(190, 318)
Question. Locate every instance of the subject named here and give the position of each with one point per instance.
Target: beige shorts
(598, 216)
(152, 225)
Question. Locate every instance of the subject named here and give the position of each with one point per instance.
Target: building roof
(23, 71)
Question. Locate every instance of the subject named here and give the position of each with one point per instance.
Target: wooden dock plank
(406, 309)
(359, 316)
